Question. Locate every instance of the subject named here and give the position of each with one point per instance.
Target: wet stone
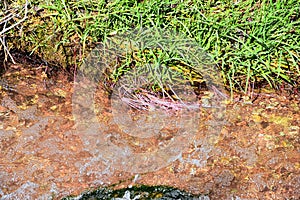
(139, 192)
(225, 178)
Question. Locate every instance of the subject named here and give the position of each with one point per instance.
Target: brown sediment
(254, 156)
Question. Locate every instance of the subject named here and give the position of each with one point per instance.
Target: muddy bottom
(244, 150)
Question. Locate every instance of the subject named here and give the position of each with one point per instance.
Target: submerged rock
(138, 192)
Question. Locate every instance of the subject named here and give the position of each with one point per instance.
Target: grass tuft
(252, 43)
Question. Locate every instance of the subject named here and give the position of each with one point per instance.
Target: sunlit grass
(252, 43)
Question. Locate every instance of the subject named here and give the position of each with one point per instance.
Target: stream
(246, 150)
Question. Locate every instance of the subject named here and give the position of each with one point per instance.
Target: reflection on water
(45, 154)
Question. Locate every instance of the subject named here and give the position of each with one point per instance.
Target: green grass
(253, 43)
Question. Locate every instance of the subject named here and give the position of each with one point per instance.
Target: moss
(143, 191)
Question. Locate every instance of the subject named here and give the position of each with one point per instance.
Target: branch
(4, 21)
(19, 22)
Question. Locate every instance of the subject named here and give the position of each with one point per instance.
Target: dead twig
(5, 20)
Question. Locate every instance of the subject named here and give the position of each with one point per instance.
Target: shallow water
(243, 151)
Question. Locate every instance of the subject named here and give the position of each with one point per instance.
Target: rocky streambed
(246, 150)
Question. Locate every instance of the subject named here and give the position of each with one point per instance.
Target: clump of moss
(137, 192)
